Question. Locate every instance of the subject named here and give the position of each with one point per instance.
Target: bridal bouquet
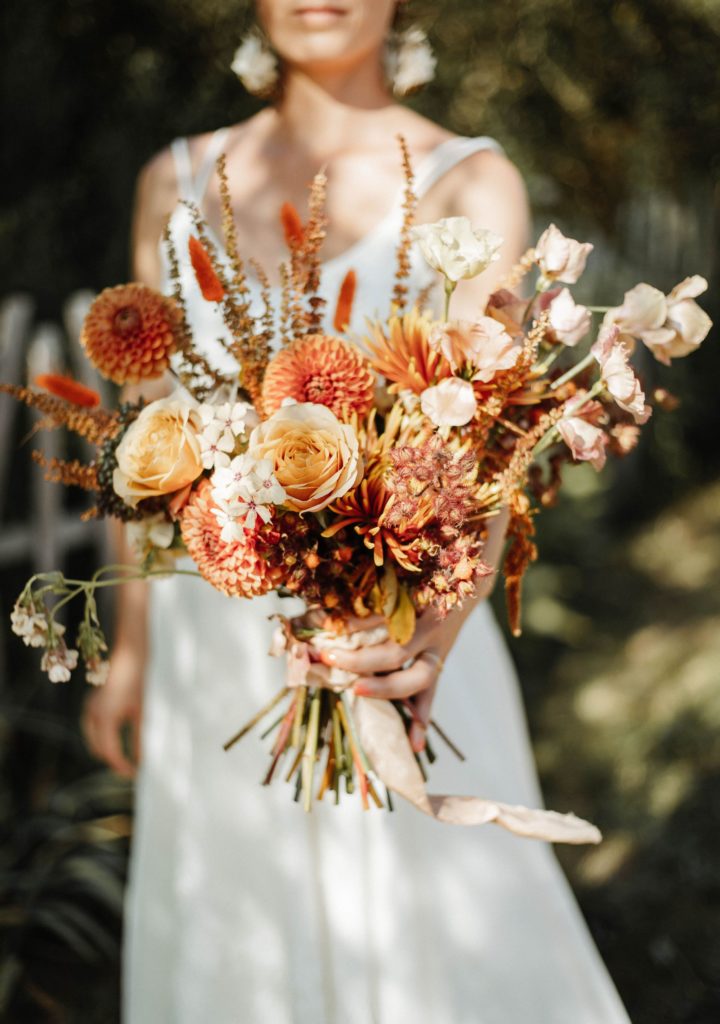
(360, 477)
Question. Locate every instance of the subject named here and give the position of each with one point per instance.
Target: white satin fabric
(242, 909)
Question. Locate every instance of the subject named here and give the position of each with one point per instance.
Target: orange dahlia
(235, 568)
(320, 369)
(130, 333)
(405, 357)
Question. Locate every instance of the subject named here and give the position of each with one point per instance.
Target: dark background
(611, 110)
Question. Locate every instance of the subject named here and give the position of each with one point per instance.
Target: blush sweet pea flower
(613, 357)
(483, 345)
(454, 248)
(579, 430)
(569, 321)
(671, 326)
(560, 258)
(451, 403)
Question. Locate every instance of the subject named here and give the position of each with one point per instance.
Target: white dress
(242, 909)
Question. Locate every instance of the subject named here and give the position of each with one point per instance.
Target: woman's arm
(117, 706)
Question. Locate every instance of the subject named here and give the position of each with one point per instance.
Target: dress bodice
(372, 257)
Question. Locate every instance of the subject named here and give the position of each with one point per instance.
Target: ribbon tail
(384, 740)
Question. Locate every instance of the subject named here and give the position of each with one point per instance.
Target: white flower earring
(409, 61)
(256, 65)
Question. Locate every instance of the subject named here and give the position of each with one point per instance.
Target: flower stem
(450, 287)
(573, 372)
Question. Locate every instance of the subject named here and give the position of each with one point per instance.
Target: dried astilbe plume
(95, 425)
(320, 368)
(72, 473)
(310, 251)
(405, 357)
(237, 569)
(521, 552)
(130, 333)
(402, 266)
(515, 275)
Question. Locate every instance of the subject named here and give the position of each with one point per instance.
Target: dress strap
(212, 151)
(193, 187)
(446, 156)
(183, 169)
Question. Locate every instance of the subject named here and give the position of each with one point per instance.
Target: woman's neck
(334, 112)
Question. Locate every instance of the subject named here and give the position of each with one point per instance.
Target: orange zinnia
(320, 369)
(130, 333)
(234, 568)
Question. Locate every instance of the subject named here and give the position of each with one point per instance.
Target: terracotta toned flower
(130, 333)
(321, 369)
(235, 568)
(405, 358)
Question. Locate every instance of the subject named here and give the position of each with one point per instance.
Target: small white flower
(560, 258)
(32, 626)
(58, 662)
(454, 248)
(216, 446)
(410, 63)
(97, 671)
(255, 65)
(451, 403)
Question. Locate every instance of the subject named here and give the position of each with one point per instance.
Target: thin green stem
(573, 372)
(450, 287)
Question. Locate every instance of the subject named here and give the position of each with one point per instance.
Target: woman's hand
(402, 671)
(113, 707)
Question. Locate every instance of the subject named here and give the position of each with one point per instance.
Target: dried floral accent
(346, 297)
(72, 473)
(69, 389)
(320, 368)
(402, 258)
(95, 425)
(285, 311)
(310, 251)
(130, 333)
(193, 369)
(515, 275)
(237, 569)
(209, 283)
(292, 225)
(404, 355)
(266, 321)
(521, 553)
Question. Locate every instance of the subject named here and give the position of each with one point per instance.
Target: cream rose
(453, 247)
(316, 458)
(160, 452)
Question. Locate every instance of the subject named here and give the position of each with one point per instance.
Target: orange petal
(292, 226)
(346, 296)
(209, 282)
(69, 389)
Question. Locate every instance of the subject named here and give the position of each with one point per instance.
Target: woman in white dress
(242, 908)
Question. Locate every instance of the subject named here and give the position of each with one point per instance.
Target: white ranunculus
(456, 249)
(451, 403)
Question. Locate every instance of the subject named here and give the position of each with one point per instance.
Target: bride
(242, 908)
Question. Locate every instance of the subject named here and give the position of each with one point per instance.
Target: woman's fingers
(366, 661)
(398, 685)
(422, 708)
(102, 729)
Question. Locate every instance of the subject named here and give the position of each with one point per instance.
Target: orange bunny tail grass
(346, 297)
(292, 226)
(402, 266)
(130, 333)
(69, 389)
(521, 552)
(209, 283)
(322, 369)
(95, 425)
(72, 474)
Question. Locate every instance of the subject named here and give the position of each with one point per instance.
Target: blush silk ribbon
(382, 734)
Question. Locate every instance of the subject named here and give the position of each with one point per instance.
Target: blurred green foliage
(610, 108)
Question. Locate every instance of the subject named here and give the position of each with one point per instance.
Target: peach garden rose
(316, 458)
(160, 452)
